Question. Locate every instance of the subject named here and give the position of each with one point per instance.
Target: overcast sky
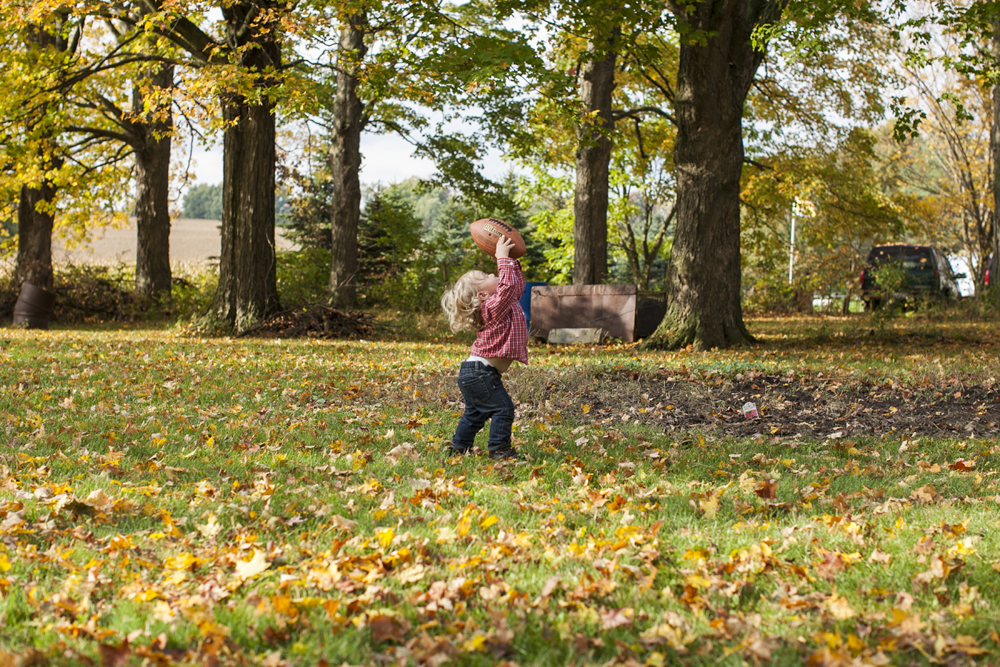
(386, 159)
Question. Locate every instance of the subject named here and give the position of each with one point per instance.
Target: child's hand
(504, 245)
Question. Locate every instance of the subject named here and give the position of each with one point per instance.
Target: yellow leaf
(962, 609)
(4, 562)
(163, 613)
(211, 527)
(411, 574)
(585, 407)
(182, 561)
(840, 608)
(710, 506)
(384, 537)
(961, 549)
(488, 521)
(446, 534)
(119, 542)
(251, 568)
(474, 643)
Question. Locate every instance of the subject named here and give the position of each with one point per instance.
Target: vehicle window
(911, 258)
(915, 263)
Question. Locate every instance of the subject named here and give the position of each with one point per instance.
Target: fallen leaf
(616, 618)
(388, 628)
(246, 569)
(342, 523)
(840, 608)
(767, 489)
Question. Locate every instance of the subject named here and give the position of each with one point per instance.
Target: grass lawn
(172, 499)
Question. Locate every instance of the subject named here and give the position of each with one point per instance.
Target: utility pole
(791, 243)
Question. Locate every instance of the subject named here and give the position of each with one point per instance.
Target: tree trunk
(704, 278)
(593, 155)
(248, 291)
(36, 213)
(152, 190)
(34, 236)
(345, 164)
(995, 145)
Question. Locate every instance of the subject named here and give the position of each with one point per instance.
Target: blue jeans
(485, 398)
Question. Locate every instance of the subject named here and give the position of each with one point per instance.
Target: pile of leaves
(315, 320)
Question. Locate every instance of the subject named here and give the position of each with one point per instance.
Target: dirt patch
(789, 406)
(313, 321)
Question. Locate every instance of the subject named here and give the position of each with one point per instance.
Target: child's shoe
(450, 450)
(506, 454)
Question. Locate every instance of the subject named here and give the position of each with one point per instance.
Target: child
(490, 306)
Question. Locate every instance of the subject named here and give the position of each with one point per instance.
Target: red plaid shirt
(505, 333)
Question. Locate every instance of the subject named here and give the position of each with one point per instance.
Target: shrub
(303, 276)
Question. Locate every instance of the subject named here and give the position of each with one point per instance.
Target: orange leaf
(766, 489)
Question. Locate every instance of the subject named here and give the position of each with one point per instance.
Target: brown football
(487, 231)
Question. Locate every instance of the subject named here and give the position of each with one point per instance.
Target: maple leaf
(115, 656)
(245, 569)
(840, 608)
(446, 534)
(766, 489)
(342, 523)
(550, 585)
(904, 623)
(879, 557)
(388, 628)
(211, 528)
(831, 564)
(411, 574)
(616, 618)
(403, 451)
(829, 658)
(925, 495)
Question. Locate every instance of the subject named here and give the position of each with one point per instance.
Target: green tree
(241, 65)
(393, 62)
(960, 44)
(722, 45)
(204, 201)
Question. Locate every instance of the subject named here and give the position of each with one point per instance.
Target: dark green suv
(926, 274)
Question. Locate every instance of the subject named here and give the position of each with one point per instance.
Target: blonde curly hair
(461, 302)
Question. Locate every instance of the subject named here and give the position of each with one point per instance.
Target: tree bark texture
(593, 157)
(345, 164)
(152, 189)
(34, 236)
(36, 209)
(247, 291)
(704, 277)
